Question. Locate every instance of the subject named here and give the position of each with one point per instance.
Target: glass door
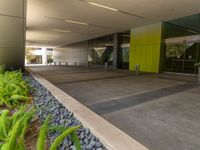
(169, 58)
(182, 57)
(125, 57)
(179, 56)
(190, 58)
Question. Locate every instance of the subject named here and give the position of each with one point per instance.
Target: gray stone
(82, 135)
(89, 147)
(86, 141)
(83, 147)
(73, 147)
(60, 116)
(93, 143)
(98, 144)
(87, 131)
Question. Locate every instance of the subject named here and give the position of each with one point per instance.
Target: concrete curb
(109, 135)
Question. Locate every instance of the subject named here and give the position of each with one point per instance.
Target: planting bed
(46, 104)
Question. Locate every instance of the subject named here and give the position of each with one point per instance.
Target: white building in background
(39, 56)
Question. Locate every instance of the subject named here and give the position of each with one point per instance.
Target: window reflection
(182, 57)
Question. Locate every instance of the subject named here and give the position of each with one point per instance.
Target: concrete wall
(12, 32)
(73, 53)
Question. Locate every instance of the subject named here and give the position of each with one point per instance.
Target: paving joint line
(116, 105)
(88, 80)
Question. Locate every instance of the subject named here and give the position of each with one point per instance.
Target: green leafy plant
(65, 131)
(42, 135)
(13, 89)
(62, 136)
(197, 64)
(13, 92)
(13, 128)
(2, 69)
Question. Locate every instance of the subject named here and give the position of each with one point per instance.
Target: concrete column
(44, 56)
(117, 53)
(12, 33)
(145, 47)
(198, 74)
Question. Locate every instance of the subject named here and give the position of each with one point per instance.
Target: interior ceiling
(46, 16)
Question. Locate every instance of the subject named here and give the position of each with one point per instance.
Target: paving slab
(152, 132)
(96, 124)
(161, 111)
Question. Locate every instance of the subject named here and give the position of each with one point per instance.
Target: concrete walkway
(160, 111)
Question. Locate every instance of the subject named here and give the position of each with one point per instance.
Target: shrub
(13, 89)
(13, 129)
(65, 131)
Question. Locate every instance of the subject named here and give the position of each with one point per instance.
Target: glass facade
(182, 57)
(125, 56)
(125, 49)
(100, 50)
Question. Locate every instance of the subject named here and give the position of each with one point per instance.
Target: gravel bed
(46, 104)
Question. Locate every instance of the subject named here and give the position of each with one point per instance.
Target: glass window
(182, 57)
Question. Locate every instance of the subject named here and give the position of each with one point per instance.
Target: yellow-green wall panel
(145, 46)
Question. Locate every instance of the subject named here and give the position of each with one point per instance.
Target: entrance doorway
(182, 57)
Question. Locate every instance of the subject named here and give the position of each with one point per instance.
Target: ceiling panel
(39, 25)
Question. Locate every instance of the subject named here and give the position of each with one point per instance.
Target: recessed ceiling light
(58, 30)
(111, 8)
(77, 22)
(103, 6)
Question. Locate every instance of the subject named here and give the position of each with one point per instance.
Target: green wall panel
(145, 46)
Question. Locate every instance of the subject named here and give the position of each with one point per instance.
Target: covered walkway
(161, 111)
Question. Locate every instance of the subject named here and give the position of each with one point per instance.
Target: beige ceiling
(40, 24)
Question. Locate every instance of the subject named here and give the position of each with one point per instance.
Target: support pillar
(44, 56)
(12, 31)
(145, 47)
(117, 52)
